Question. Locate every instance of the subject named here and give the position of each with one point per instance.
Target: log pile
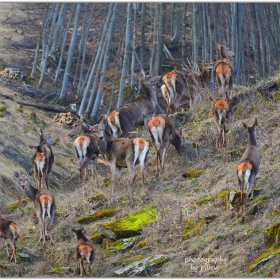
(64, 118)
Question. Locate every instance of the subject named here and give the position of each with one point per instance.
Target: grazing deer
(162, 132)
(43, 159)
(166, 96)
(123, 153)
(248, 166)
(84, 251)
(224, 71)
(10, 232)
(44, 204)
(220, 112)
(137, 112)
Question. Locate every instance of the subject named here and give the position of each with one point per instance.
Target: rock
(130, 225)
(272, 234)
(164, 240)
(97, 238)
(24, 257)
(96, 215)
(119, 245)
(142, 267)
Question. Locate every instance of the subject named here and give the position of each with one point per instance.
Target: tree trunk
(239, 20)
(160, 45)
(154, 41)
(195, 33)
(133, 50)
(63, 45)
(233, 30)
(143, 15)
(184, 35)
(64, 88)
(176, 37)
(93, 70)
(105, 64)
(57, 35)
(126, 54)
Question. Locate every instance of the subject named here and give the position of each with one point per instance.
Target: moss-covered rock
(104, 213)
(264, 258)
(190, 225)
(97, 197)
(119, 245)
(143, 267)
(274, 212)
(24, 257)
(130, 225)
(142, 243)
(272, 234)
(258, 205)
(19, 109)
(97, 238)
(3, 108)
(14, 205)
(192, 173)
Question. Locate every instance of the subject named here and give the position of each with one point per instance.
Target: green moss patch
(264, 258)
(14, 205)
(190, 225)
(130, 225)
(192, 173)
(104, 213)
(274, 212)
(3, 108)
(19, 109)
(119, 245)
(272, 234)
(97, 238)
(97, 197)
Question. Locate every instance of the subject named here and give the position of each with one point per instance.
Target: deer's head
(23, 179)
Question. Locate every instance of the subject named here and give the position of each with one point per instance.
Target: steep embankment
(187, 220)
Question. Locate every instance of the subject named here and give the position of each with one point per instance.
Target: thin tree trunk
(195, 33)
(160, 45)
(234, 7)
(63, 45)
(99, 51)
(239, 20)
(184, 35)
(133, 50)
(126, 54)
(154, 42)
(70, 54)
(143, 15)
(176, 37)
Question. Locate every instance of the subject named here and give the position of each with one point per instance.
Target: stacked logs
(64, 118)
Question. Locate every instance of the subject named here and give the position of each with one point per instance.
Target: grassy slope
(174, 196)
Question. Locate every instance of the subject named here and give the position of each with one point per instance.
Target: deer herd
(110, 138)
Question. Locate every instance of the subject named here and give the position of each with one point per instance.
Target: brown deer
(162, 132)
(44, 204)
(43, 159)
(224, 71)
(248, 166)
(83, 251)
(137, 112)
(123, 153)
(221, 113)
(166, 96)
(10, 232)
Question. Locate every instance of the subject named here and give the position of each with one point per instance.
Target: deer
(83, 251)
(123, 153)
(221, 113)
(162, 133)
(248, 166)
(9, 231)
(43, 159)
(137, 112)
(224, 71)
(44, 203)
(166, 96)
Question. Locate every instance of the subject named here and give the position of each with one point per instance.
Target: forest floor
(193, 222)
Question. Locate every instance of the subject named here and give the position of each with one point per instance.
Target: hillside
(184, 229)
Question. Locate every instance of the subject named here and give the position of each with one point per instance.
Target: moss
(32, 115)
(258, 205)
(190, 224)
(97, 197)
(13, 206)
(106, 182)
(264, 257)
(132, 259)
(192, 173)
(58, 213)
(204, 200)
(272, 234)
(32, 229)
(274, 212)
(132, 224)
(119, 245)
(2, 265)
(3, 108)
(19, 109)
(276, 96)
(142, 243)
(97, 238)
(58, 270)
(104, 213)
(1, 115)
(200, 226)
(198, 120)
(56, 139)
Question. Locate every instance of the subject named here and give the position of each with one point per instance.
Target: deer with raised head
(83, 251)
(10, 232)
(43, 159)
(137, 112)
(123, 153)
(162, 132)
(248, 166)
(224, 71)
(44, 203)
(166, 96)
(221, 112)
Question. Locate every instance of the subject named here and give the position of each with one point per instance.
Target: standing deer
(248, 166)
(166, 96)
(43, 159)
(123, 153)
(83, 251)
(44, 204)
(10, 232)
(220, 112)
(224, 71)
(136, 112)
(162, 132)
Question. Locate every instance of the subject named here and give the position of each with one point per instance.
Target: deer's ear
(16, 174)
(255, 123)
(245, 125)
(30, 172)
